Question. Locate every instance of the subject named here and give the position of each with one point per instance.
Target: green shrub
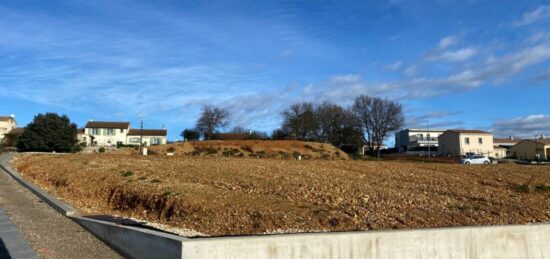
(48, 132)
(171, 149)
(542, 188)
(77, 148)
(261, 154)
(523, 188)
(127, 173)
(155, 181)
(211, 150)
(101, 150)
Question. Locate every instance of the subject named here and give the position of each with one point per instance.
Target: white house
(417, 141)
(106, 133)
(148, 137)
(7, 124)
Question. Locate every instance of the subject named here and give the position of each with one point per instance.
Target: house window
(155, 141)
(95, 132)
(480, 141)
(109, 132)
(134, 140)
(419, 137)
(121, 130)
(467, 141)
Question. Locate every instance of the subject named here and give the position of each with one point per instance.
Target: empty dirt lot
(233, 196)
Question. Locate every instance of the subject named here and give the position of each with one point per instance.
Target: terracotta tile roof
(148, 132)
(545, 141)
(107, 125)
(464, 131)
(5, 118)
(16, 131)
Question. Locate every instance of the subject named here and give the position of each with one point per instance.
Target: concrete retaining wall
(511, 241)
(517, 241)
(134, 242)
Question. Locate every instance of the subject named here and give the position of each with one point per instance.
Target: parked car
(475, 160)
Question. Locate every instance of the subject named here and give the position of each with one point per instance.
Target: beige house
(500, 152)
(7, 124)
(530, 149)
(83, 138)
(506, 144)
(148, 137)
(466, 142)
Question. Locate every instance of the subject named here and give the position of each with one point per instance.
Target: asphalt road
(50, 234)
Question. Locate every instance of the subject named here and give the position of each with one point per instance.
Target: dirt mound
(254, 148)
(235, 196)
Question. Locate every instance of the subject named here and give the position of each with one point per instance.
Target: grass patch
(170, 193)
(542, 188)
(142, 178)
(155, 181)
(261, 154)
(523, 188)
(127, 173)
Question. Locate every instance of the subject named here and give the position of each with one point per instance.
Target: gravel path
(50, 234)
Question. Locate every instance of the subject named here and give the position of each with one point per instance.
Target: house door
(548, 154)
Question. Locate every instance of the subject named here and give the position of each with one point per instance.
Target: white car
(475, 160)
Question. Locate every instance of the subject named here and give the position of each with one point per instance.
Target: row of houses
(461, 142)
(94, 133)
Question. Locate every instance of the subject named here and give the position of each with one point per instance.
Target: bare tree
(336, 125)
(378, 117)
(212, 119)
(299, 121)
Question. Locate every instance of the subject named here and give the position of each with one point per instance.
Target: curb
(131, 242)
(52, 201)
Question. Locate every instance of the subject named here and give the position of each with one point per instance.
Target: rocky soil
(236, 196)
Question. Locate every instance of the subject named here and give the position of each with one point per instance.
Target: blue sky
(459, 64)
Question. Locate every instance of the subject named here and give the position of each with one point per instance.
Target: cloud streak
(542, 12)
(525, 127)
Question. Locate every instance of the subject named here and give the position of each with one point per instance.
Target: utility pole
(537, 149)
(429, 137)
(141, 135)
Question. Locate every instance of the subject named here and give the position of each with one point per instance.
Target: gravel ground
(239, 196)
(50, 234)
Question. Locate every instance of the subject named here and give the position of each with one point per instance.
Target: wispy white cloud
(454, 55)
(542, 12)
(447, 42)
(526, 127)
(393, 66)
(410, 71)
(538, 37)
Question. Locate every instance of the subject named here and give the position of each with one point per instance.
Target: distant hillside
(284, 149)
